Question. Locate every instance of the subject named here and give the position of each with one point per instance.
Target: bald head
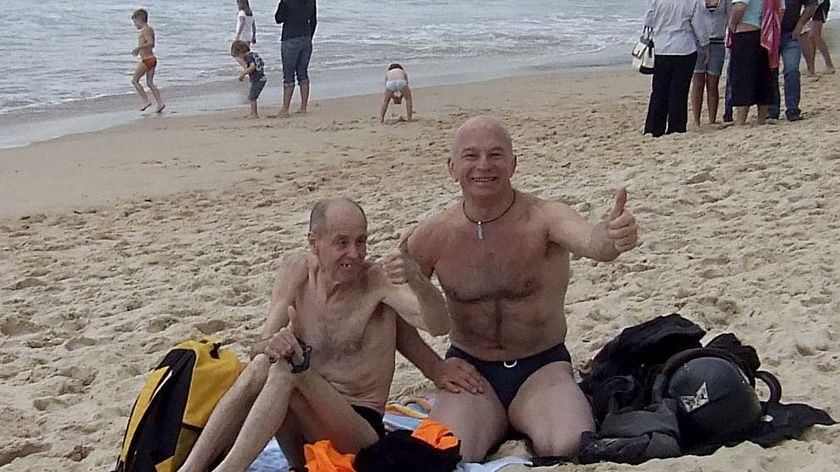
(330, 208)
(481, 126)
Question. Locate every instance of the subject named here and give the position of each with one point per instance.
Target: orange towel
(436, 434)
(322, 457)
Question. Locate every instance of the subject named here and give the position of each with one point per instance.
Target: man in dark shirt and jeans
(796, 14)
(299, 19)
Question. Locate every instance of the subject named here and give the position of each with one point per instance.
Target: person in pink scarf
(753, 79)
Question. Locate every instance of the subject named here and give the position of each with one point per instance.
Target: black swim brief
(372, 417)
(507, 376)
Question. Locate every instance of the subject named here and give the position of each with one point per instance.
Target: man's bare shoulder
(437, 225)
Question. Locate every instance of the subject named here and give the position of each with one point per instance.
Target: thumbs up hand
(399, 266)
(621, 224)
(284, 343)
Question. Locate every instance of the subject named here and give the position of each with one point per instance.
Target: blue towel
(271, 459)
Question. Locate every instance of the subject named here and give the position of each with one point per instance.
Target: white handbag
(643, 54)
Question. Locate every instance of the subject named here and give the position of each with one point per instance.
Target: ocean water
(74, 52)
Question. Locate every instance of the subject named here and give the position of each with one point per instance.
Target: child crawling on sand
(396, 88)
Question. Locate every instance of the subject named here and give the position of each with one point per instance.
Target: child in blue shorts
(253, 67)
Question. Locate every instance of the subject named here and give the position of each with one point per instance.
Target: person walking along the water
(148, 61)
(246, 27)
(678, 29)
(299, 20)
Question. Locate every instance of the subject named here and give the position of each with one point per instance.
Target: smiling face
(482, 159)
(340, 241)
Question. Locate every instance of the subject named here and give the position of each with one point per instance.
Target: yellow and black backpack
(174, 405)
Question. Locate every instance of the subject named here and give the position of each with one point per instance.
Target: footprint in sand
(20, 448)
(211, 326)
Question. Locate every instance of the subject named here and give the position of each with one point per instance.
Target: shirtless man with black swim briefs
(353, 315)
(502, 259)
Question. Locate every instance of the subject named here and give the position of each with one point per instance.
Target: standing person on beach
(753, 78)
(678, 30)
(299, 19)
(252, 67)
(707, 73)
(796, 15)
(815, 41)
(148, 61)
(246, 27)
(502, 259)
(349, 315)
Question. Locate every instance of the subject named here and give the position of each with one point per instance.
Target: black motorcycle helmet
(716, 400)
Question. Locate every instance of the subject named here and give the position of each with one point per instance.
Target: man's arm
(254, 33)
(738, 9)
(412, 294)
(453, 374)
(313, 20)
(603, 241)
(806, 15)
(239, 28)
(699, 26)
(292, 273)
(280, 14)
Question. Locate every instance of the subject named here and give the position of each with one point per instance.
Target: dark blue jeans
(295, 54)
(791, 52)
(727, 96)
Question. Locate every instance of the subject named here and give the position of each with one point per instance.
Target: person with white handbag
(677, 29)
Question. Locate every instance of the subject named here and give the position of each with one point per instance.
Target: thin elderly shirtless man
(502, 259)
(353, 315)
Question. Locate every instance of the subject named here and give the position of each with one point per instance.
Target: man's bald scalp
(318, 215)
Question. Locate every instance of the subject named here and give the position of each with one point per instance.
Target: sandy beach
(118, 244)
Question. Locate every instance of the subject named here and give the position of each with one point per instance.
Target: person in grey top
(707, 74)
(678, 28)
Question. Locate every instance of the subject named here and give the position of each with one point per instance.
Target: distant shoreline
(41, 123)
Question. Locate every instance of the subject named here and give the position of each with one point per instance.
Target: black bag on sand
(692, 402)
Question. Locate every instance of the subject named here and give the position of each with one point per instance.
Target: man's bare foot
(252, 117)
(146, 106)
(830, 70)
(160, 108)
(283, 114)
(301, 110)
(811, 73)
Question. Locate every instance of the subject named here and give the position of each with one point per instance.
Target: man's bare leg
(478, 420)
(741, 114)
(304, 97)
(698, 83)
(820, 46)
(712, 96)
(383, 109)
(552, 410)
(409, 103)
(135, 81)
(227, 418)
(263, 421)
(809, 51)
(323, 413)
(287, 100)
(762, 114)
(150, 82)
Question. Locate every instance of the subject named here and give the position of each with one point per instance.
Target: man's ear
(450, 166)
(312, 240)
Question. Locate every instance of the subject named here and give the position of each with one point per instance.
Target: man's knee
(255, 374)
(566, 444)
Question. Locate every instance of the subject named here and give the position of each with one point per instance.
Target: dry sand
(118, 244)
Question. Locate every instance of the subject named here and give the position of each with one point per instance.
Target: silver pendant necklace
(479, 224)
